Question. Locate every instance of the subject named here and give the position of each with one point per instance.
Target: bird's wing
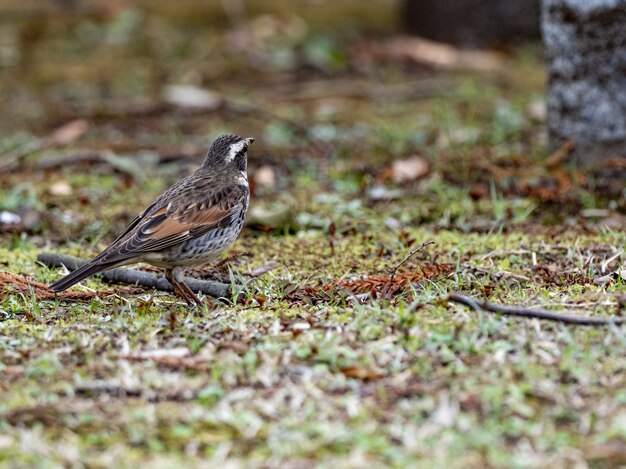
(184, 186)
(134, 223)
(186, 217)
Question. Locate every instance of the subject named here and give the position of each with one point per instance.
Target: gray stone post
(586, 55)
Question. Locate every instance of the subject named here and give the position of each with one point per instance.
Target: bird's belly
(205, 248)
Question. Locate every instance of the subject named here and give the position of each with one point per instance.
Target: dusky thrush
(189, 224)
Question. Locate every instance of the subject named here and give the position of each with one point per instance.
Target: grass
(287, 378)
(385, 383)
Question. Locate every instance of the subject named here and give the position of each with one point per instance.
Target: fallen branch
(60, 137)
(422, 88)
(136, 277)
(112, 159)
(260, 271)
(11, 161)
(477, 305)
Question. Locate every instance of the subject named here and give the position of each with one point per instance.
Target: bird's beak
(248, 141)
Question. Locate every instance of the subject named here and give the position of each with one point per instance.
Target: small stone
(378, 193)
(191, 97)
(8, 218)
(60, 188)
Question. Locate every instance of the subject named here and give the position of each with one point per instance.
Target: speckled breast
(209, 246)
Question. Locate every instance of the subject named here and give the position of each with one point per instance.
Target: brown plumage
(190, 224)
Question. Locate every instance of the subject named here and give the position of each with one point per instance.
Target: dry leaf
(537, 110)
(410, 169)
(376, 284)
(265, 177)
(16, 284)
(440, 55)
(68, 133)
(360, 372)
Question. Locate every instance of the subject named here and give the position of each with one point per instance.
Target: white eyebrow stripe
(234, 149)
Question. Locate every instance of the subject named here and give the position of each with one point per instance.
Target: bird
(190, 224)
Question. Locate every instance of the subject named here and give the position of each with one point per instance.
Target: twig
(259, 271)
(560, 154)
(404, 261)
(357, 89)
(60, 137)
(136, 277)
(500, 274)
(501, 252)
(12, 160)
(74, 158)
(117, 391)
(532, 313)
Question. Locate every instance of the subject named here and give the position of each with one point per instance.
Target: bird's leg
(178, 290)
(178, 282)
(189, 292)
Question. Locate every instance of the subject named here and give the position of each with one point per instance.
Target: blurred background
(379, 125)
(107, 102)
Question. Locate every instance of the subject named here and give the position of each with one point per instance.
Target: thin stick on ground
(404, 261)
(542, 314)
(11, 161)
(61, 136)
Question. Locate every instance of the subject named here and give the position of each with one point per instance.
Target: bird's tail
(87, 270)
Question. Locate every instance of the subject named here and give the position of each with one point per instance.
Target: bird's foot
(191, 296)
(182, 290)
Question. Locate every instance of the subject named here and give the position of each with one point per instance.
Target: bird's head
(228, 151)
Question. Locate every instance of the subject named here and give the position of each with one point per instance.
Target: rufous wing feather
(169, 226)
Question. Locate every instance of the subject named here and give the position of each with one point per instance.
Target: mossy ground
(406, 381)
